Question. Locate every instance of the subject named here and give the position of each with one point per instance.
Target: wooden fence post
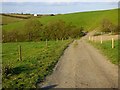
(57, 40)
(112, 42)
(16, 40)
(20, 52)
(89, 38)
(46, 43)
(62, 39)
(101, 40)
(3, 38)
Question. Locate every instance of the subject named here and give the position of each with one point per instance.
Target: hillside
(8, 19)
(88, 20)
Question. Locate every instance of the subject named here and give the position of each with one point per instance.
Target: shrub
(34, 30)
(60, 29)
(109, 27)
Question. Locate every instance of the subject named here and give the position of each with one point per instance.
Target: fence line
(91, 38)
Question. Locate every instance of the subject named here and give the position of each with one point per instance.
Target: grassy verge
(37, 62)
(105, 48)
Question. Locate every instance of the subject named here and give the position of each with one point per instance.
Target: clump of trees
(109, 27)
(60, 29)
(34, 30)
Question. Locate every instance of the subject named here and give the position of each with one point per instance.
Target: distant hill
(88, 20)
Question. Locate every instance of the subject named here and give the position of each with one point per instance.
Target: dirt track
(82, 66)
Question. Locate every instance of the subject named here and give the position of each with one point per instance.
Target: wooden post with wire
(89, 38)
(113, 43)
(16, 40)
(62, 39)
(20, 52)
(57, 39)
(101, 40)
(46, 43)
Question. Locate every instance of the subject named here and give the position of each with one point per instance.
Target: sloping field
(88, 20)
(7, 19)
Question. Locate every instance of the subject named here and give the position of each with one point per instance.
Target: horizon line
(63, 13)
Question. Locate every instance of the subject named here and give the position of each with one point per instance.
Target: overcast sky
(56, 6)
(59, 0)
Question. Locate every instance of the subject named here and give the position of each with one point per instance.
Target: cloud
(58, 1)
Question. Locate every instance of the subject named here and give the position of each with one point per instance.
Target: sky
(59, 0)
(56, 6)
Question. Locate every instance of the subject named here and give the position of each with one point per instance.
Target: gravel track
(82, 66)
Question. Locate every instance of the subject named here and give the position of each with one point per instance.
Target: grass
(8, 20)
(37, 62)
(110, 53)
(21, 15)
(89, 20)
(13, 18)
